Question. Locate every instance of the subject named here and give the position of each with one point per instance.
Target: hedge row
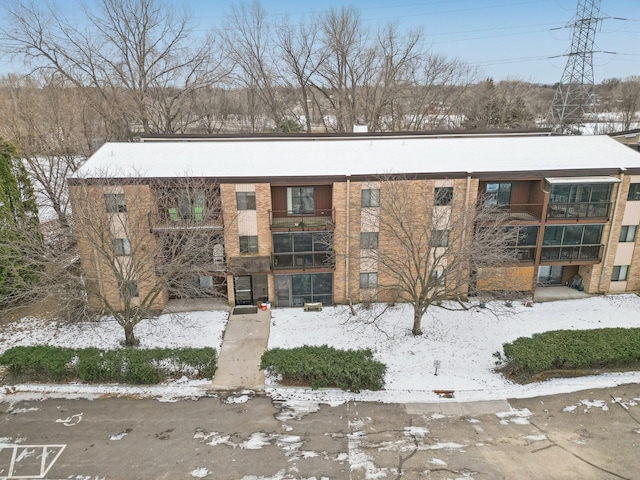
(571, 349)
(323, 366)
(125, 365)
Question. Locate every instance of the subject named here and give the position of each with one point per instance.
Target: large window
(246, 200)
(116, 202)
(300, 201)
(296, 289)
(443, 195)
(572, 242)
(634, 192)
(579, 200)
(191, 205)
(628, 233)
(370, 197)
(248, 244)
(525, 242)
(619, 273)
(497, 194)
(369, 240)
(302, 249)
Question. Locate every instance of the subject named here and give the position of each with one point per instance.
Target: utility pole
(574, 101)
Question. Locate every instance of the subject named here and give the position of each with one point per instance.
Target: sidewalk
(245, 339)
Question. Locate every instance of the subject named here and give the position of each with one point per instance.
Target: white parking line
(21, 454)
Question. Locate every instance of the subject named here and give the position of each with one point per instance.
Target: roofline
(329, 179)
(347, 135)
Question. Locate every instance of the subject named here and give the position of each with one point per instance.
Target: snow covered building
(575, 199)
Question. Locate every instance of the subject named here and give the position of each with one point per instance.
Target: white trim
(598, 179)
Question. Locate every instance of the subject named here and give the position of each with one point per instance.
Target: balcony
(577, 211)
(302, 261)
(320, 219)
(512, 212)
(171, 220)
(572, 253)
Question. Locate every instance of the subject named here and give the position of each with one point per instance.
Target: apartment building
(292, 214)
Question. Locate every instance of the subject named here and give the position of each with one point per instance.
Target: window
(369, 240)
(443, 195)
(619, 273)
(370, 197)
(634, 192)
(121, 247)
(128, 289)
(248, 244)
(437, 277)
(439, 238)
(497, 194)
(369, 280)
(300, 201)
(572, 235)
(302, 249)
(628, 233)
(191, 204)
(115, 202)
(246, 200)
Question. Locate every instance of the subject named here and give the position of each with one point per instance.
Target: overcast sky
(526, 40)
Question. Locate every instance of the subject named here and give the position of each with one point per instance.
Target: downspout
(465, 220)
(606, 248)
(347, 245)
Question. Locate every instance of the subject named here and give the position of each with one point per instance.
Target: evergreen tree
(19, 233)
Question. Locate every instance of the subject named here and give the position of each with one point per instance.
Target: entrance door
(550, 275)
(243, 290)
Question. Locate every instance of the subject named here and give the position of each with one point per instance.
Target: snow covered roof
(254, 158)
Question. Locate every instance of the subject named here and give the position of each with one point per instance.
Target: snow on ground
(463, 343)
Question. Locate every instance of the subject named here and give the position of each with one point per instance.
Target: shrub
(125, 365)
(323, 366)
(571, 349)
(40, 362)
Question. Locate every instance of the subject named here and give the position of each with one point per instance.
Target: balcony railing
(571, 252)
(579, 210)
(302, 260)
(172, 220)
(320, 218)
(519, 212)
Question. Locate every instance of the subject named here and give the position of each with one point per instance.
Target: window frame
(246, 200)
(368, 280)
(369, 199)
(443, 196)
(624, 233)
(121, 247)
(248, 244)
(369, 240)
(115, 202)
(620, 273)
(494, 199)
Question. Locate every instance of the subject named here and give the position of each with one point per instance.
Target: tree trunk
(417, 322)
(129, 336)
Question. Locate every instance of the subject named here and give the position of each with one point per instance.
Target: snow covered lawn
(463, 343)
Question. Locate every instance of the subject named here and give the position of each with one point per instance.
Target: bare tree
(299, 49)
(347, 66)
(138, 56)
(423, 248)
(141, 243)
(54, 129)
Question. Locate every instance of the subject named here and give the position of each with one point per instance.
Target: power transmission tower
(574, 100)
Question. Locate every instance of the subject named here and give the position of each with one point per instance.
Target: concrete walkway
(245, 340)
